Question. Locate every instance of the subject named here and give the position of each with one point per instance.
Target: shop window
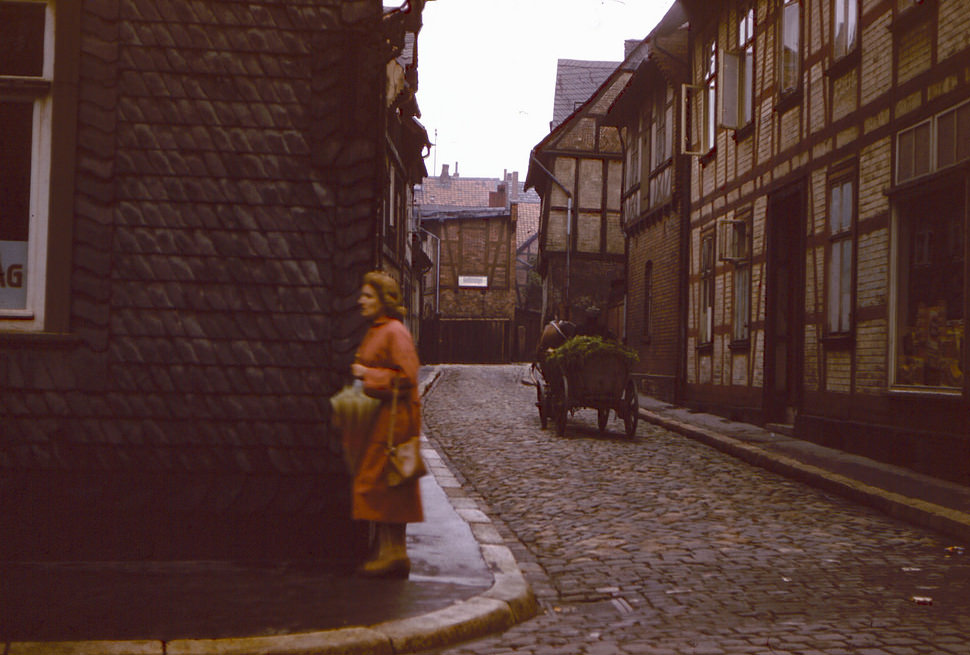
(840, 257)
(705, 314)
(845, 28)
(26, 74)
(929, 308)
(789, 52)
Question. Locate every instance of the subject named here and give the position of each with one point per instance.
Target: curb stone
(914, 510)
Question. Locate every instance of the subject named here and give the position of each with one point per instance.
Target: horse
(554, 334)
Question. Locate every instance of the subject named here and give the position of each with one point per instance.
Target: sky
(487, 71)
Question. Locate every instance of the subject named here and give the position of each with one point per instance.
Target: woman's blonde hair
(388, 292)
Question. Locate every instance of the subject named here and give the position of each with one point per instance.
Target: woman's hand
(357, 370)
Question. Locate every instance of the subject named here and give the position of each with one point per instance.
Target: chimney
(500, 197)
(444, 170)
(629, 45)
(456, 169)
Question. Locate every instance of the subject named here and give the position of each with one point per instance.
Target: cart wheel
(631, 406)
(562, 409)
(542, 400)
(602, 416)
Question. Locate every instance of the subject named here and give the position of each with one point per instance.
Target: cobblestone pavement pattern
(663, 545)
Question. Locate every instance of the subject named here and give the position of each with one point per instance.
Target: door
(784, 303)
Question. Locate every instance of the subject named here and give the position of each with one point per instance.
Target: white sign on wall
(474, 281)
(13, 274)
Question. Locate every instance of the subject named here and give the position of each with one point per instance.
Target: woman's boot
(392, 558)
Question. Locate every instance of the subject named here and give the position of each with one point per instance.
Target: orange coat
(388, 353)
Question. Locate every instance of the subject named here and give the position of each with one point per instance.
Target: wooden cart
(601, 381)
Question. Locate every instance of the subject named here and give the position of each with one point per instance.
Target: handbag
(404, 462)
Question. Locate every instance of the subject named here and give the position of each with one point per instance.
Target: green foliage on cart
(575, 351)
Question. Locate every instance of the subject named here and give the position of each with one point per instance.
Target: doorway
(784, 304)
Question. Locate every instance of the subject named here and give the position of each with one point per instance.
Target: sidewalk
(919, 499)
(465, 582)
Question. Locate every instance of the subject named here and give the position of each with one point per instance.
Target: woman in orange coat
(385, 360)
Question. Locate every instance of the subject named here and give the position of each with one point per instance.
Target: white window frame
(789, 34)
(37, 91)
(840, 260)
(661, 128)
(708, 135)
(706, 293)
(698, 107)
(931, 127)
(738, 69)
(845, 12)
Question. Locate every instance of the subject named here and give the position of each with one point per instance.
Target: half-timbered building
(828, 208)
(576, 171)
(470, 225)
(654, 208)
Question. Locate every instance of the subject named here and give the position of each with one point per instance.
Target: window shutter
(730, 79)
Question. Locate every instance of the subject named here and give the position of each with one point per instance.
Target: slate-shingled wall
(227, 178)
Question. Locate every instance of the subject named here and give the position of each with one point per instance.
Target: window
(698, 115)
(789, 53)
(647, 298)
(953, 136)
(916, 154)
(26, 72)
(840, 266)
(705, 314)
(929, 287)
(738, 75)
(913, 151)
(662, 132)
(662, 139)
(710, 97)
(734, 239)
(632, 173)
(845, 27)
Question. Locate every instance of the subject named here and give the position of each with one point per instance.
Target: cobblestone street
(663, 545)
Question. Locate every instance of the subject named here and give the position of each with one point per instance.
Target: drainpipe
(569, 222)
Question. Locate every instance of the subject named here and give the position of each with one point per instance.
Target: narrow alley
(663, 545)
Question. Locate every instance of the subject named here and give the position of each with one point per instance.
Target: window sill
(950, 393)
(788, 100)
(839, 341)
(913, 16)
(744, 132)
(704, 160)
(55, 339)
(706, 348)
(739, 345)
(844, 64)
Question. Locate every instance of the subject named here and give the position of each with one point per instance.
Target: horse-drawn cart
(596, 378)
